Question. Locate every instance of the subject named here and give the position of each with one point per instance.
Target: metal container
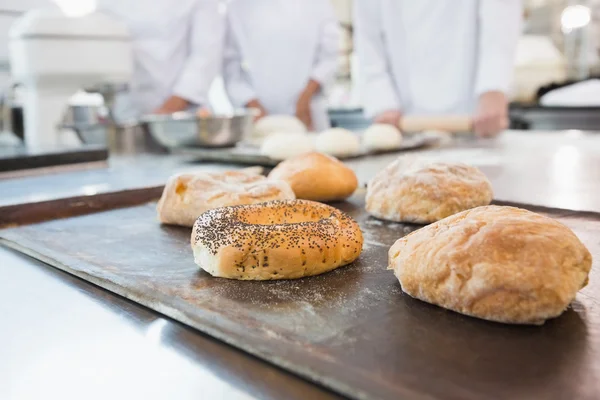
(133, 139)
(186, 129)
(127, 139)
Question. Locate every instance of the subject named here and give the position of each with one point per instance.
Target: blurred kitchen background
(556, 67)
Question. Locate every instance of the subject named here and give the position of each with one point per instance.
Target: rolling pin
(448, 123)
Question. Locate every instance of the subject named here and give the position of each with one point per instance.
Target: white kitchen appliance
(52, 56)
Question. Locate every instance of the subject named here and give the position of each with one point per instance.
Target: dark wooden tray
(14, 158)
(352, 330)
(30, 213)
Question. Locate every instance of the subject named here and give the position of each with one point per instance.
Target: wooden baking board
(246, 154)
(352, 330)
(30, 213)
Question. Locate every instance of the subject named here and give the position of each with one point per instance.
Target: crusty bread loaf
(186, 196)
(416, 190)
(317, 176)
(502, 264)
(275, 240)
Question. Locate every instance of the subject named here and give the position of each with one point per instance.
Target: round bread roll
(272, 124)
(187, 196)
(381, 137)
(338, 142)
(316, 176)
(414, 190)
(502, 264)
(282, 146)
(275, 240)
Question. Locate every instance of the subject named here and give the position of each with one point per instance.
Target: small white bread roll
(282, 146)
(338, 142)
(502, 264)
(379, 137)
(272, 124)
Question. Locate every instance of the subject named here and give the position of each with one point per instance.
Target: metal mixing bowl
(186, 129)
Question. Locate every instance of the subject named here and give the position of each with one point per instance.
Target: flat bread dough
(442, 137)
(281, 146)
(379, 137)
(338, 142)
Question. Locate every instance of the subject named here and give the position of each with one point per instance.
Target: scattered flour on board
(322, 307)
(373, 222)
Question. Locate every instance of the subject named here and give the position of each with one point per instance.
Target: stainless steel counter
(63, 338)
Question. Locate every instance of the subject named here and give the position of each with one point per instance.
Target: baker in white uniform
(280, 57)
(437, 57)
(178, 50)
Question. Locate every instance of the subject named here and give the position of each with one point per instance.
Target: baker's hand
(173, 104)
(303, 111)
(491, 117)
(203, 112)
(260, 110)
(389, 117)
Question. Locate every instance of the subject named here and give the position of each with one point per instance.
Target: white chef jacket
(178, 50)
(434, 56)
(274, 47)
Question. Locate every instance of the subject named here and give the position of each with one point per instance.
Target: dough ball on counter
(502, 264)
(282, 146)
(317, 176)
(338, 142)
(272, 124)
(380, 137)
(420, 191)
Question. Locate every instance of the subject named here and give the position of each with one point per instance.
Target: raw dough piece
(502, 264)
(282, 146)
(381, 137)
(443, 137)
(338, 142)
(273, 124)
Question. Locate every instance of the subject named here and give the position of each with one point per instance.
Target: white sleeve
(238, 83)
(375, 78)
(206, 41)
(328, 51)
(500, 23)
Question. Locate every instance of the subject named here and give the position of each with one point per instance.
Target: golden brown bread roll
(275, 240)
(502, 264)
(418, 191)
(317, 176)
(186, 196)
